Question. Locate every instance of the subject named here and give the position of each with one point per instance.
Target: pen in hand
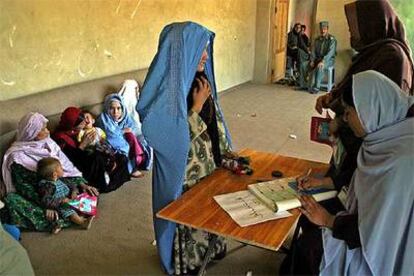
(309, 172)
(302, 180)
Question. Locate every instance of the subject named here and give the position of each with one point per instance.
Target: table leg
(207, 256)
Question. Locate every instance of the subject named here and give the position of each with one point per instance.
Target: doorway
(279, 39)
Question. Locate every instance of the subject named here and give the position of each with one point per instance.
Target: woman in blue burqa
(183, 123)
(375, 234)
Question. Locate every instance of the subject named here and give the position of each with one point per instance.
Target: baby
(89, 126)
(55, 194)
(99, 144)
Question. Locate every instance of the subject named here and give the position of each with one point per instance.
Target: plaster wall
(46, 44)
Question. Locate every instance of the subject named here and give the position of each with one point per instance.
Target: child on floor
(120, 130)
(55, 194)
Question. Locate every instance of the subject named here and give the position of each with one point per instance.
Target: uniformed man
(322, 57)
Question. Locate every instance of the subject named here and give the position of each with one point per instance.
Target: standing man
(322, 57)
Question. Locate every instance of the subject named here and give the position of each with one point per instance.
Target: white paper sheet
(245, 209)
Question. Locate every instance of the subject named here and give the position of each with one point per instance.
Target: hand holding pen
(307, 182)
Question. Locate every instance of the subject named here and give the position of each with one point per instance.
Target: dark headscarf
(376, 21)
(381, 45)
(379, 38)
(208, 114)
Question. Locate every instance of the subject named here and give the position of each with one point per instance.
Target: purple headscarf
(27, 151)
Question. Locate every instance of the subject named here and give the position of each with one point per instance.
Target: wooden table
(197, 208)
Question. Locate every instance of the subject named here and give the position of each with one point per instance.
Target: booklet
(282, 194)
(319, 130)
(85, 204)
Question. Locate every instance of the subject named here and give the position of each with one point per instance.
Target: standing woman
(183, 123)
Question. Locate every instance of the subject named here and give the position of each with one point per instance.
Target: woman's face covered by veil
(203, 60)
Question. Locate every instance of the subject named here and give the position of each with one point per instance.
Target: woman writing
(375, 234)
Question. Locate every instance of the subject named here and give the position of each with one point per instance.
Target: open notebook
(266, 201)
(282, 194)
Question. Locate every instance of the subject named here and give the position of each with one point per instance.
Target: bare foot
(88, 222)
(56, 230)
(137, 174)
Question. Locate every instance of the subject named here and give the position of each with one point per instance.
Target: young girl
(55, 194)
(121, 132)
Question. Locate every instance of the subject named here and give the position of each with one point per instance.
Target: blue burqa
(163, 111)
(382, 188)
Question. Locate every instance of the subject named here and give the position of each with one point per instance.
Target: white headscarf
(130, 92)
(382, 188)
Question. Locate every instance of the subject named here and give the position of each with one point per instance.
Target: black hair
(347, 95)
(303, 26)
(80, 118)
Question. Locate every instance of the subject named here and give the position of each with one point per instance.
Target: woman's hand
(315, 212)
(51, 215)
(87, 139)
(89, 189)
(200, 94)
(323, 102)
(306, 182)
(127, 130)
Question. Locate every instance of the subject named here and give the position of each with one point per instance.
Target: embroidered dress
(24, 206)
(164, 112)
(190, 245)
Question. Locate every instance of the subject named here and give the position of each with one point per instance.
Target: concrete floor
(260, 117)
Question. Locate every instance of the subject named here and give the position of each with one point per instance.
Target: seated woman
(122, 133)
(19, 175)
(105, 170)
(183, 123)
(375, 235)
(130, 92)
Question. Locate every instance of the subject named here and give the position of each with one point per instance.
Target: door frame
(272, 33)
